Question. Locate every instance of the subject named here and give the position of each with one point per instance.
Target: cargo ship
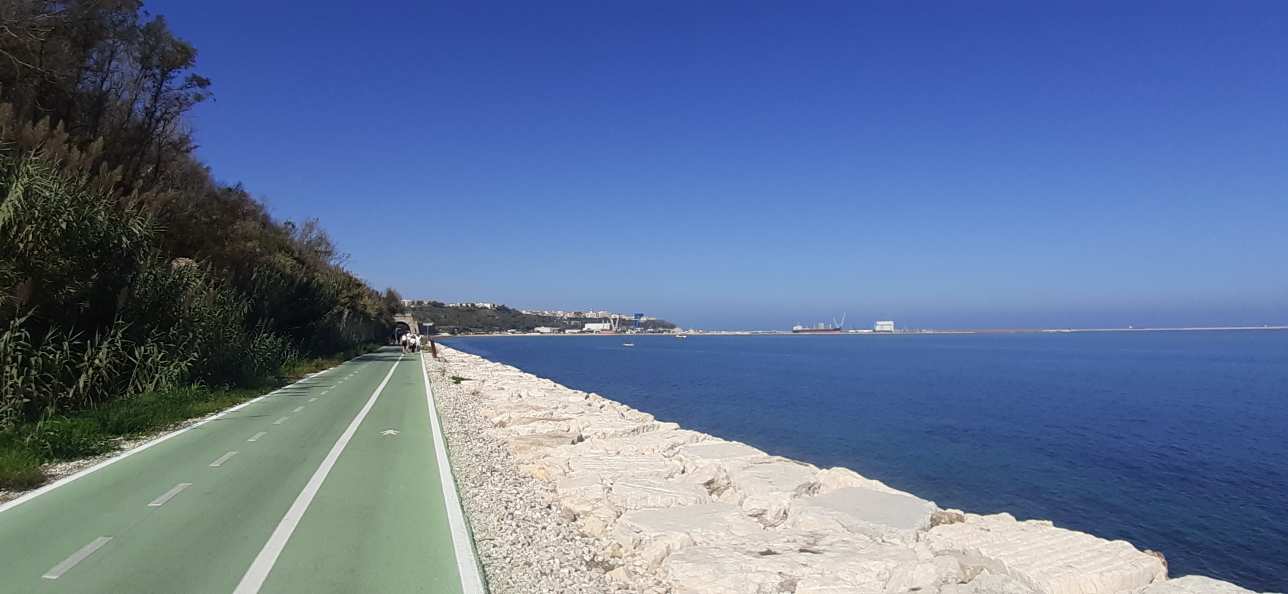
(821, 328)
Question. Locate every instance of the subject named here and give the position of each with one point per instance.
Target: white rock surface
(1047, 559)
(765, 487)
(886, 517)
(653, 534)
(571, 492)
(1194, 584)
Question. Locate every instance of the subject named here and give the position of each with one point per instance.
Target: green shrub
(63, 438)
(19, 468)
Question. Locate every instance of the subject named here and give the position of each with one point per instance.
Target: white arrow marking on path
(389, 432)
(255, 576)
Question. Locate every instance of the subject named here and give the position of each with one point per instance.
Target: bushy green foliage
(107, 317)
(135, 290)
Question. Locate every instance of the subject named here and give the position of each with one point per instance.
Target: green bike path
(332, 484)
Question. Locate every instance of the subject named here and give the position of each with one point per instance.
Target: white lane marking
(298, 409)
(256, 436)
(280, 421)
(126, 454)
(324, 392)
(58, 570)
(313, 399)
(220, 460)
(466, 563)
(168, 495)
(388, 432)
(263, 564)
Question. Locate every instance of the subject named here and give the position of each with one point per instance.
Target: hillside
(481, 320)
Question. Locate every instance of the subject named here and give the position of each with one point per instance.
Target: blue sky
(755, 165)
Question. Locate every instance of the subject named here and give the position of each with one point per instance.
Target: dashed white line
(220, 460)
(110, 461)
(298, 409)
(258, 572)
(280, 421)
(58, 570)
(313, 399)
(168, 495)
(256, 436)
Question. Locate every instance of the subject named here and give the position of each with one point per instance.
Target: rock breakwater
(670, 510)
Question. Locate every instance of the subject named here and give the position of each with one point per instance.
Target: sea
(1173, 441)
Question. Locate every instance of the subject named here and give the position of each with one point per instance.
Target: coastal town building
(475, 305)
(883, 326)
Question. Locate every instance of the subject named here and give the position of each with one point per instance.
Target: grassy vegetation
(456, 379)
(89, 432)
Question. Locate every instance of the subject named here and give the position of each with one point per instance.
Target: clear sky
(754, 165)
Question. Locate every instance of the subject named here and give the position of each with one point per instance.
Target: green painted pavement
(378, 521)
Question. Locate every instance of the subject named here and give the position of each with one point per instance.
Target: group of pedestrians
(410, 342)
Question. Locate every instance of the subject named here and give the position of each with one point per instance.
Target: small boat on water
(628, 344)
(681, 336)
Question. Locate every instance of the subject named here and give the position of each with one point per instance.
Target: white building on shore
(474, 305)
(883, 326)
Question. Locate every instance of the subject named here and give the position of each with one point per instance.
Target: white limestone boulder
(832, 479)
(1194, 584)
(578, 495)
(537, 426)
(528, 446)
(584, 499)
(1047, 559)
(698, 456)
(765, 487)
(639, 492)
(662, 442)
(612, 466)
(987, 583)
(639, 453)
(882, 516)
(709, 462)
(653, 534)
(801, 567)
(601, 425)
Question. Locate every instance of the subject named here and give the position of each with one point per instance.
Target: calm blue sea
(1175, 441)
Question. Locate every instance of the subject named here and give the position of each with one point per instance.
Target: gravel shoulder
(524, 542)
